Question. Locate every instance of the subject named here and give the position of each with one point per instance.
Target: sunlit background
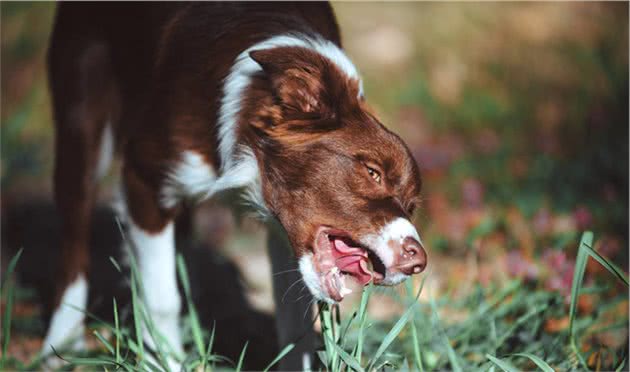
(517, 114)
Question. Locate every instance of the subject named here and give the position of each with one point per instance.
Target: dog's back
(134, 54)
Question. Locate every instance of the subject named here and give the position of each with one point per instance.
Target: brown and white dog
(200, 98)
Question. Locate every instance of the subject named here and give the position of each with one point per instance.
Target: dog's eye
(374, 174)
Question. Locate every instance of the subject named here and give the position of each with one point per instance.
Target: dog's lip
(325, 247)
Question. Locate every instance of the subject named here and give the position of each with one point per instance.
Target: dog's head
(342, 185)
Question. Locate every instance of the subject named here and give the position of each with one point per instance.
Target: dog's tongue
(352, 260)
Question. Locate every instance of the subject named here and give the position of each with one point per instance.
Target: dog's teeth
(343, 291)
(365, 266)
(334, 270)
(377, 275)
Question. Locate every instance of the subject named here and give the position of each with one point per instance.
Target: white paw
(168, 328)
(74, 343)
(66, 331)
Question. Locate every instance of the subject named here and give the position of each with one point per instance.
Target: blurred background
(517, 114)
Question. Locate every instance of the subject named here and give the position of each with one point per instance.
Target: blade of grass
(105, 343)
(506, 366)
(281, 355)
(117, 330)
(585, 251)
(336, 321)
(137, 322)
(87, 361)
(92, 362)
(508, 290)
(350, 361)
(578, 277)
(414, 332)
(621, 365)
(365, 296)
(450, 352)
(207, 357)
(329, 335)
(100, 321)
(381, 367)
(344, 332)
(323, 357)
(241, 358)
(115, 263)
(7, 288)
(135, 348)
(405, 366)
(611, 267)
(393, 333)
(11, 266)
(194, 319)
(538, 361)
(520, 321)
(6, 326)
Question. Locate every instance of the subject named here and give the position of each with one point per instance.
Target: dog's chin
(317, 283)
(335, 261)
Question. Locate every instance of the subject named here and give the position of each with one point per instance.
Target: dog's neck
(242, 157)
(240, 78)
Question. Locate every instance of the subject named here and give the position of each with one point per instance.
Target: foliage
(504, 326)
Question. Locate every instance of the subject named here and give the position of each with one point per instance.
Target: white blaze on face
(394, 231)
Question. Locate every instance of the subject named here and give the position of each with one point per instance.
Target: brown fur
(314, 136)
(156, 72)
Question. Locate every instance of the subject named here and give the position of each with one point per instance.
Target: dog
(201, 98)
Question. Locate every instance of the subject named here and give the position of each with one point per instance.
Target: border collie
(200, 98)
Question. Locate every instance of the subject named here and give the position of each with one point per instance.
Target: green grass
(503, 329)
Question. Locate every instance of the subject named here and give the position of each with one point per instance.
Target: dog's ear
(297, 78)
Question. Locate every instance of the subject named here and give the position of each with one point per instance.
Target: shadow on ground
(217, 287)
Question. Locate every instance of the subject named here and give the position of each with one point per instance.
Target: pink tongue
(352, 261)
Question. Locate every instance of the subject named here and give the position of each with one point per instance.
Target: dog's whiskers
(285, 271)
(291, 286)
(310, 305)
(302, 296)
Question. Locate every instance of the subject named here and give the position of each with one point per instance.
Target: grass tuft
(506, 321)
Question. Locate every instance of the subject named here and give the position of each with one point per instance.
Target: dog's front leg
(152, 235)
(294, 312)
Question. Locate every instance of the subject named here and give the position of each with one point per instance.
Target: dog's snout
(412, 258)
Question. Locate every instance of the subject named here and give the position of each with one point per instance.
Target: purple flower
(542, 221)
(472, 193)
(520, 266)
(583, 218)
(560, 270)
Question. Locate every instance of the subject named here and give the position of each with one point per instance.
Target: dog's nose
(412, 259)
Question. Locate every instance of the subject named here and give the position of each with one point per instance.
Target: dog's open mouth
(337, 256)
